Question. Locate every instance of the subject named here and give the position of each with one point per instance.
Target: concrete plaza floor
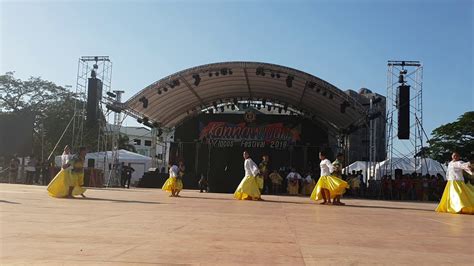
(145, 226)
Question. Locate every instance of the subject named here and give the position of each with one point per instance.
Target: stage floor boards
(145, 226)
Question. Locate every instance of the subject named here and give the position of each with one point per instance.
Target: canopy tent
(356, 166)
(407, 165)
(103, 160)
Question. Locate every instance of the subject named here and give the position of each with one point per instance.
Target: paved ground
(145, 226)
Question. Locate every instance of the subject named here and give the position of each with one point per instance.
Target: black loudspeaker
(90, 163)
(94, 94)
(403, 112)
(16, 133)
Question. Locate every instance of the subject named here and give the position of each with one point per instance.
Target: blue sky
(346, 43)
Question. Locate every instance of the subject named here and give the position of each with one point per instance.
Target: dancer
(172, 185)
(337, 172)
(68, 182)
(248, 187)
(457, 196)
(179, 178)
(328, 186)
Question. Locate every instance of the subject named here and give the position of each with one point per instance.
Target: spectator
(13, 171)
(276, 179)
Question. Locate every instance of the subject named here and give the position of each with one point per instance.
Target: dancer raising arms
(328, 186)
(248, 188)
(457, 196)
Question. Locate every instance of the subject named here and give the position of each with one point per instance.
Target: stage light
(401, 79)
(222, 109)
(269, 108)
(145, 119)
(343, 106)
(224, 71)
(111, 94)
(318, 90)
(272, 75)
(259, 71)
(289, 81)
(214, 104)
(144, 102)
(325, 93)
(310, 84)
(113, 108)
(217, 74)
(211, 111)
(376, 100)
(230, 72)
(159, 91)
(210, 74)
(374, 115)
(331, 96)
(197, 79)
(93, 74)
(139, 120)
(165, 89)
(278, 75)
(279, 110)
(259, 106)
(232, 107)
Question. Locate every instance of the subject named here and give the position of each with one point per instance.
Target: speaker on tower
(403, 104)
(94, 94)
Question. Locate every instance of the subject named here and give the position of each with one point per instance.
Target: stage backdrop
(212, 145)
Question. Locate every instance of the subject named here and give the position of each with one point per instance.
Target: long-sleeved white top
(65, 158)
(174, 171)
(455, 168)
(326, 167)
(250, 167)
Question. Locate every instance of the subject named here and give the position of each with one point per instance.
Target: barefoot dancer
(328, 186)
(248, 188)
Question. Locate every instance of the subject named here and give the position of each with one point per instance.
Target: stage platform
(146, 227)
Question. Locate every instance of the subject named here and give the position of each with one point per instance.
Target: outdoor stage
(145, 226)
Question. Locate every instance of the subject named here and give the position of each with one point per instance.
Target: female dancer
(328, 186)
(172, 184)
(457, 196)
(68, 182)
(248, 187)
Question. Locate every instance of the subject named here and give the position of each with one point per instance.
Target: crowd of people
(36, 171)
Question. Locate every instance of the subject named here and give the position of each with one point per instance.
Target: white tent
(407, 165)
(356, 166)
(103, 160)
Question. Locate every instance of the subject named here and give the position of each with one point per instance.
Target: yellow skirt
(173, 183)
(457, 198)
(335, 185)
(247, 189)
(59, 186)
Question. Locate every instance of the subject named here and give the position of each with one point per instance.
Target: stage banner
(224, 135)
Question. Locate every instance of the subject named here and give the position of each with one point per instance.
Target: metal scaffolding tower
(411, 73)
(103, 70)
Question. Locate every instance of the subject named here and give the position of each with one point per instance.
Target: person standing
(328, 186)
(128, 175)
(457, 196)
(30, 170)
(338, 164)
(13, 170)
(276, 179)
(248, 187)
(265, 172)
(202, 184)
(293, 179)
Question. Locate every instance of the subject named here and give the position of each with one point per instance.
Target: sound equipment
(403, 112)
(94, 94)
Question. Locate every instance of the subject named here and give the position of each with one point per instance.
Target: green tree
(455, 136)
(53, 107)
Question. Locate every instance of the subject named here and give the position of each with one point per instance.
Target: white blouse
(326, 167)
(455, 170)
(65, 158)
(174, 171)
(250, 167)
